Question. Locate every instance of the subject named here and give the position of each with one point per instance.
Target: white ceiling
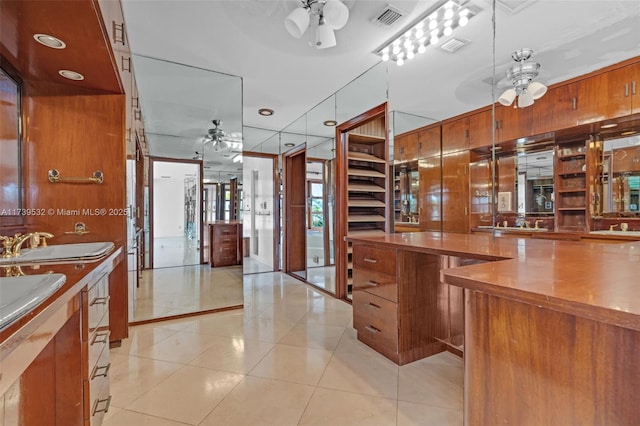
(247, 38)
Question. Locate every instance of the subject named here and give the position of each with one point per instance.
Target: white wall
(168, 197)
(264, 215)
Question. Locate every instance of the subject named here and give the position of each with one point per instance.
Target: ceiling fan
(218, 140)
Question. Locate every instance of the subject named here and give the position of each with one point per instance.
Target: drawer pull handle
(372, 329)
(100, 371)
(102, 410)
(371, 284)
(103, 337)
(99, 301)
(370, 260)
(373, 305)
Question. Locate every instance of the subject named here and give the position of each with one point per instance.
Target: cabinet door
(455, 135)
(430, 200)
(406, 147)
(557, 109)
(635, 87)
(480, 125)
(605, 96)
(429, 142)
(513, 123)
(455, 192)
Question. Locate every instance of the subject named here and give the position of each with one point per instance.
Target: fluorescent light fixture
(435, 25)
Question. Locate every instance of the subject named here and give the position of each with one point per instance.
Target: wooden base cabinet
(393, 293)
(226, 244)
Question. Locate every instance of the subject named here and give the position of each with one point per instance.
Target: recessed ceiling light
(265, 112)
(49, 41)
(71, 75)
(609, 126)
(289, 144)
(330, 122)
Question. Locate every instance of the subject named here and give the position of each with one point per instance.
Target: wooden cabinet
(429, 141)
(571, 187)
(480, 132)
(455, 192)
(512, 122)
(95, 340)
(406, 147)
(455, 135)
(480, 184)
(226, 244)
(557, 109)
(430, 202)
(390, 290)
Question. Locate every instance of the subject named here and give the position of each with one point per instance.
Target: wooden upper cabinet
(557, 109)
(455, 135)
(480, 129)
(610, 95)
(405, 147)
(513, 122)
(429, 141)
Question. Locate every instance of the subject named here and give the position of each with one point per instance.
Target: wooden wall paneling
(569, 379)
(78, 132)
(69, 364)
(9, 146)
(455, 192)
(430, 202)
(405, 147)
(37, 391)
(455, 135)
(507, 177)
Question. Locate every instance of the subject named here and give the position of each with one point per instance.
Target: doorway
(175, 212)
(295, 212)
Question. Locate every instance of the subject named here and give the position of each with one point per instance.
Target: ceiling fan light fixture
(325, 37)
(336, 14)
(507, 97)
(537, 89)
(525, 99)
(297, 22)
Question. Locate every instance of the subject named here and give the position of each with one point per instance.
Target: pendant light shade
(507, 97)
(524, 100)
(325, 36)
(335, 14)
(297, 22)
(537, 90)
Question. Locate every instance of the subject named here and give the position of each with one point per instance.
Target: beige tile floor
(289, 358)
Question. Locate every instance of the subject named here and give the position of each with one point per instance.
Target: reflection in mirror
(535, 184)
(621, 176)
(193, 115)
(406, 190)
(10, 176)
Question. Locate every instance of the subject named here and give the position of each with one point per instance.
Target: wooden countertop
(22, 341)
(594, 280)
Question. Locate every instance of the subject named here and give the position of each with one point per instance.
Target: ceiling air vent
(388, 16)
(453, 45)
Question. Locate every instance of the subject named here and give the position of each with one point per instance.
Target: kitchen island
(551, 328)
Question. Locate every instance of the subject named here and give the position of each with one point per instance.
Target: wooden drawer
(97, 342)
(225, 230)
(97, 304)
(97, 389)
(382, 285)
(376, 320)
(374, 259)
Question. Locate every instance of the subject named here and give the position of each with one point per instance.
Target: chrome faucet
(537, 222)
(613, 226)
(13, 245)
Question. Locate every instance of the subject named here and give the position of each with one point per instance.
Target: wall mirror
(191, 116)
(621, 176)
(10, 170)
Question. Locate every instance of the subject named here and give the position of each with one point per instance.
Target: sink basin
(513, 228)
(622, 233)
(61, 252)
(19, 295)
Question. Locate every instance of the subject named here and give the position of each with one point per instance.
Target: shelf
(363, 156)
(365, 187)
(580, 173)
(572, 209)
(365, 202)
(567, 191)
(358, 138)
(365, 218)
(358, 171)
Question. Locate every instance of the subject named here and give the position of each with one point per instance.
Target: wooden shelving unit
(571, 186)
